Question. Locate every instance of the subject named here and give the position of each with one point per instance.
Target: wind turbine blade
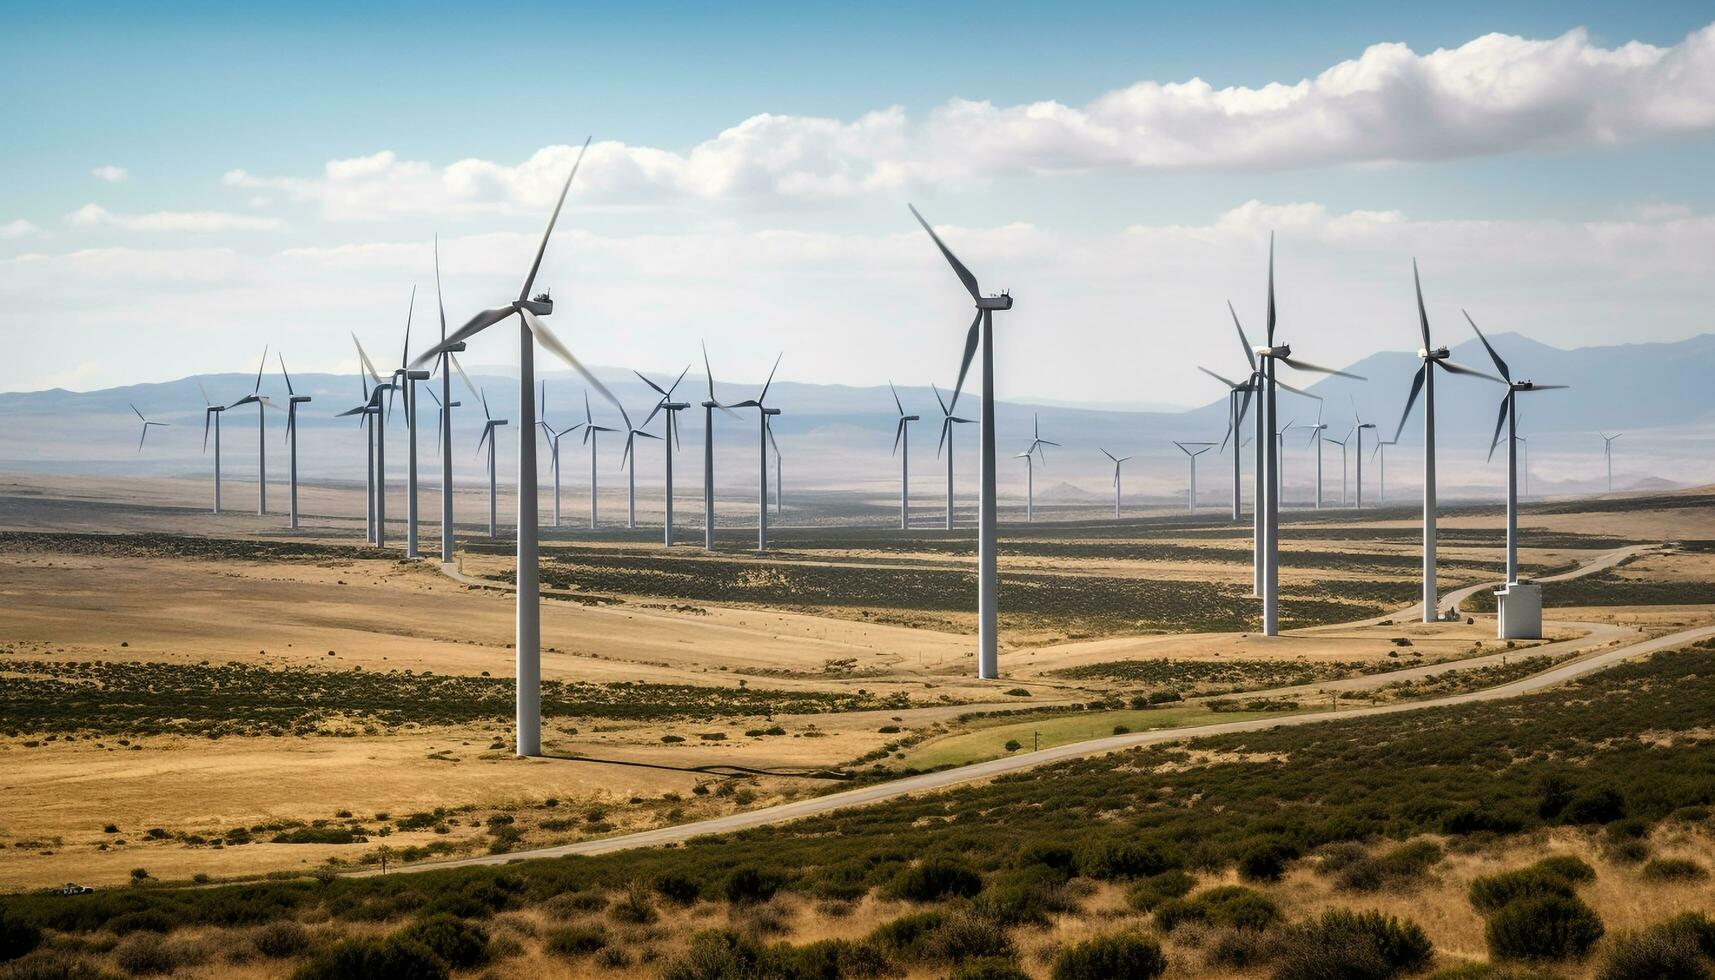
(1245, 342)
(1229, 383)
(137, 413)
(546, 338)
(965, 365)
(259, 368)
(658, 389)
(205, 416)
(765, 384)
(282, 359)
(1500, 364)
(946, 427)
(200, 388)
(1271, 289)
(959, 269)
(452, 359)
(432, 396)
(1411, 399)
(898, 433)
(486, 429)
(675, 385)
(896, 402)
(1537, 387)
(1109, 455)
(944, 409)
(769, 428)
(1500, 420)
(1244, 404)
(410, 310)
(651, 416)
(1225, 436)
(440, 301)
(1296, 391)
(363, 355)
(472, 327)
(1422, 315)
(484, 396)
(145, 435)
(709, 373)
(535, 266)
(1462, 369)
(1319, 369)
(345, 414)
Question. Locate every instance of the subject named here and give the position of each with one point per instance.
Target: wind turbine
(146, 424)
(1433, 357)
(709, 406)
(407, 377)
(210, 409)
(1272, 355)
(367, 411)
(490, 423)
(1524, 462)
(589, 437)
(1280, 459)
(262, 405)
(670, 441)
(948, 419)
(1342, 444)
(448, 364)
(988, 577)
(378, 438)
(1117, 460)
(528, 640)
(293, 400)
(1238, 403)
(1607, 453)
(630, 455)
(1185, 447)
(1358, 427)
(1036, 444)
(1381, 450)
(779, 477)
(902, 437)
(1509, 417)
(762, 414)
(553, 438)
(1316, 440)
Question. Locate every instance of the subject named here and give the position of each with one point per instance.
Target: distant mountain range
(840, 436)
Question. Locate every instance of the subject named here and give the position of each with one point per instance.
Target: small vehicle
(72, 888)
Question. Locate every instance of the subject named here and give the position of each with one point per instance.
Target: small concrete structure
(1520, 611)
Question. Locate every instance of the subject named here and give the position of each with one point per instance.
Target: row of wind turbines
(527, 311)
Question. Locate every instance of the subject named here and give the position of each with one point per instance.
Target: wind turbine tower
(1608, 454)
(293, 400)
(1185, 447)
(1117, 460)
(902, 437)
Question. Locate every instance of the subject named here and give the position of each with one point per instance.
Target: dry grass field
(214, 698)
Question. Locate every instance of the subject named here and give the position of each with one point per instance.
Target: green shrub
(1266, 860)
(461, 944)
(748, 884)
(1494, 971)
(392, 958)
(1126, 954)
(1355, 945)
(1654, 954)
(1543, 927)
(1402, 865)
(935, 937)
(1149, 893)
(1695, 925)
(676, 888)
(576, 940)
(1551, 876)
(716, 955)
(279, 940)
(1674, 869)
(1228, 905)
(17, 936)
(52, 964)
(1109, 859)
(142, 920)
(1604, 805)
(830, 958)
(989, 968)
(934, 879)
(143, 954)
(1022, 896)
(1049, 855)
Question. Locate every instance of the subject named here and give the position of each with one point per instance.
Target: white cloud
(198, 222)
(18, 228)
(111, 174)
(1495, 94)
(858, 308)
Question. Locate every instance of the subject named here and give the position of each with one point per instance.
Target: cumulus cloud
(111, 174)
(18, 228)
(1495, 94)
(91, 215)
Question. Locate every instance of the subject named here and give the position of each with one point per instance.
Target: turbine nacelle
(1438, 354)
(1281, 350)
(541, 305)
(1001, 302)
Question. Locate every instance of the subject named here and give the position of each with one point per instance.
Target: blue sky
(181, 98)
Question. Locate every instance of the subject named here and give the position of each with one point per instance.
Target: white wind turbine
(263, 403)
(1238, 404)
(553, 437)
(1381, 483)
(1508, 417)
(1270, 356)
(763, 412)
(1280, 460)
(1036, 444)
(367, 412)
(378, 440)
(211, 410)
(146, 424)
(1342, 444)
(1433, 357)
(1358, 427)
(528, 642)
(988, 575)
(670, 441)
(902, 437)
(490, 423)
(948, 420)
(589, 437)
(448, 364)
(1316, 440)
(293, 400)
(709, 406)
(630, 456)
(1607, 453)
(1185, 447)
(1117, 460)
(779, 477)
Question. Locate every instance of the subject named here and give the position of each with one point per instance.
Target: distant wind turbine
(589, 438)
(553, 438)
(902, 437)
(1607, 453)
(1381, 485)
(1508, 417)
(669, 441)
(1358, 427)
(378, 437)
(1238, 403)
(262, 405)
(762, 414)
(1036, 444)
(211, 410)
(709, 406)
(293, 400)
(490, 423)
(948, 420)
(146, 424)
(630, 456)
(1117, 460)
(1185, 447)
